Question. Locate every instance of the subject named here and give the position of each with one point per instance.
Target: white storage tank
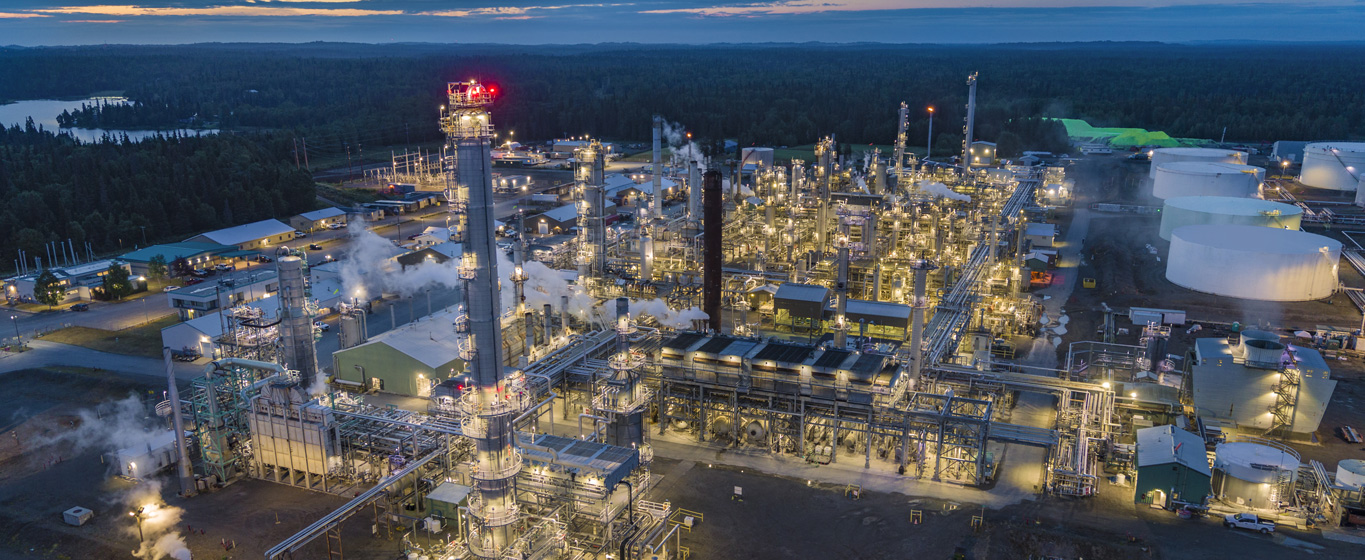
(1196, 210)
(1337, 166)
(763, 157)
(1253, 262)
(1250, 474)
(1351, 472)
(1161, 156)
(1206, 178)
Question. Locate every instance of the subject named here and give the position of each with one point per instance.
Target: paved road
(47, 354)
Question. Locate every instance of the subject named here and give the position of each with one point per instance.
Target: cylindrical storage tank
(1206, 178)
(762, 157)
(1336, 166)
(1248, 473)
(1196, 210)
(1351, 472)
(1162, 156)
(1253, 262)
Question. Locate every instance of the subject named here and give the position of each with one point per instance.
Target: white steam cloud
(369, 269)
(160, 523)
(939, 189)
(125, 424)
(659, 310)
(684, 149)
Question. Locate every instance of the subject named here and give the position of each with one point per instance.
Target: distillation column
(903, 116)
(488, 415)
(971, 121)
(841, 296)
(917, 307)
(519, 282)
(824, 152)
(296, 324)
(625, 397)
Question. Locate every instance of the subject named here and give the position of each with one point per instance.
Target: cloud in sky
(59, 22)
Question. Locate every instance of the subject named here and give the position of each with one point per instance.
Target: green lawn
(143, 340)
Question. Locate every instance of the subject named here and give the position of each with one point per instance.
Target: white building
(255, 235)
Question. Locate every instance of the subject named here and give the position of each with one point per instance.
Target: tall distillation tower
(488, 406)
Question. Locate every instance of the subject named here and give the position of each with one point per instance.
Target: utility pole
(305, 155)
(296, 153)
(929, 144)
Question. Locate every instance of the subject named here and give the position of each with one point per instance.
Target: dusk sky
(72, 22)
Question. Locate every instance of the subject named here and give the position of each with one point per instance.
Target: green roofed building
(1171, 466)
(197, 254)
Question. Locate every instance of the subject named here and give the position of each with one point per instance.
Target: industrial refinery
(932, 326)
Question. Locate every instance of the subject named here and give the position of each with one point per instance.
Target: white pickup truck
(1250, 522)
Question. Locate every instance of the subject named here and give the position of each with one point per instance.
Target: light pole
(929, 144)
(20, 340)
(137, 516)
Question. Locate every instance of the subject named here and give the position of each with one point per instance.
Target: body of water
(44, 113)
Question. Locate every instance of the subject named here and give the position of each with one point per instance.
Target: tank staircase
(1286, 399)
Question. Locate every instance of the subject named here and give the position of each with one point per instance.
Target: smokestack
(182, 464)
(658, 200)
(713, 201)
(646, 257)
(548, 328)
(693, 190)
(564, 314)
(622, 324)
(528, 321)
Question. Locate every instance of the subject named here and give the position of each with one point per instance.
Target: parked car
(300, 234)
(170, 288)
(324, 327)
(224, 267)
(81, 307)
(192, 281)
(1250, 522)
(335, 226)
(199, 273)
(263, 259)
(314, 247)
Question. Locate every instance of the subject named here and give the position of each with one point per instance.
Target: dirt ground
(782, 518)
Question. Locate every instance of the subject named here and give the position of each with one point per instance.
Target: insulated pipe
(594, 424)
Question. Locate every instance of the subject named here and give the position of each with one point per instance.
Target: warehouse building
(195, 254)
(253, 236)
(407, 360)
(319, 219)
(1171, 467)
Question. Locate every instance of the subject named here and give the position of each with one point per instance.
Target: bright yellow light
(1105, 385)
(1133, 394)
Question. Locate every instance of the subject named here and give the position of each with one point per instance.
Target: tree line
(351, 96)
(115, 194)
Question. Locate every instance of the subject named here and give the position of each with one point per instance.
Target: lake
(45, 111)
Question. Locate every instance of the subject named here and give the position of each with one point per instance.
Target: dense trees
(352, 96)
(53, 188)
